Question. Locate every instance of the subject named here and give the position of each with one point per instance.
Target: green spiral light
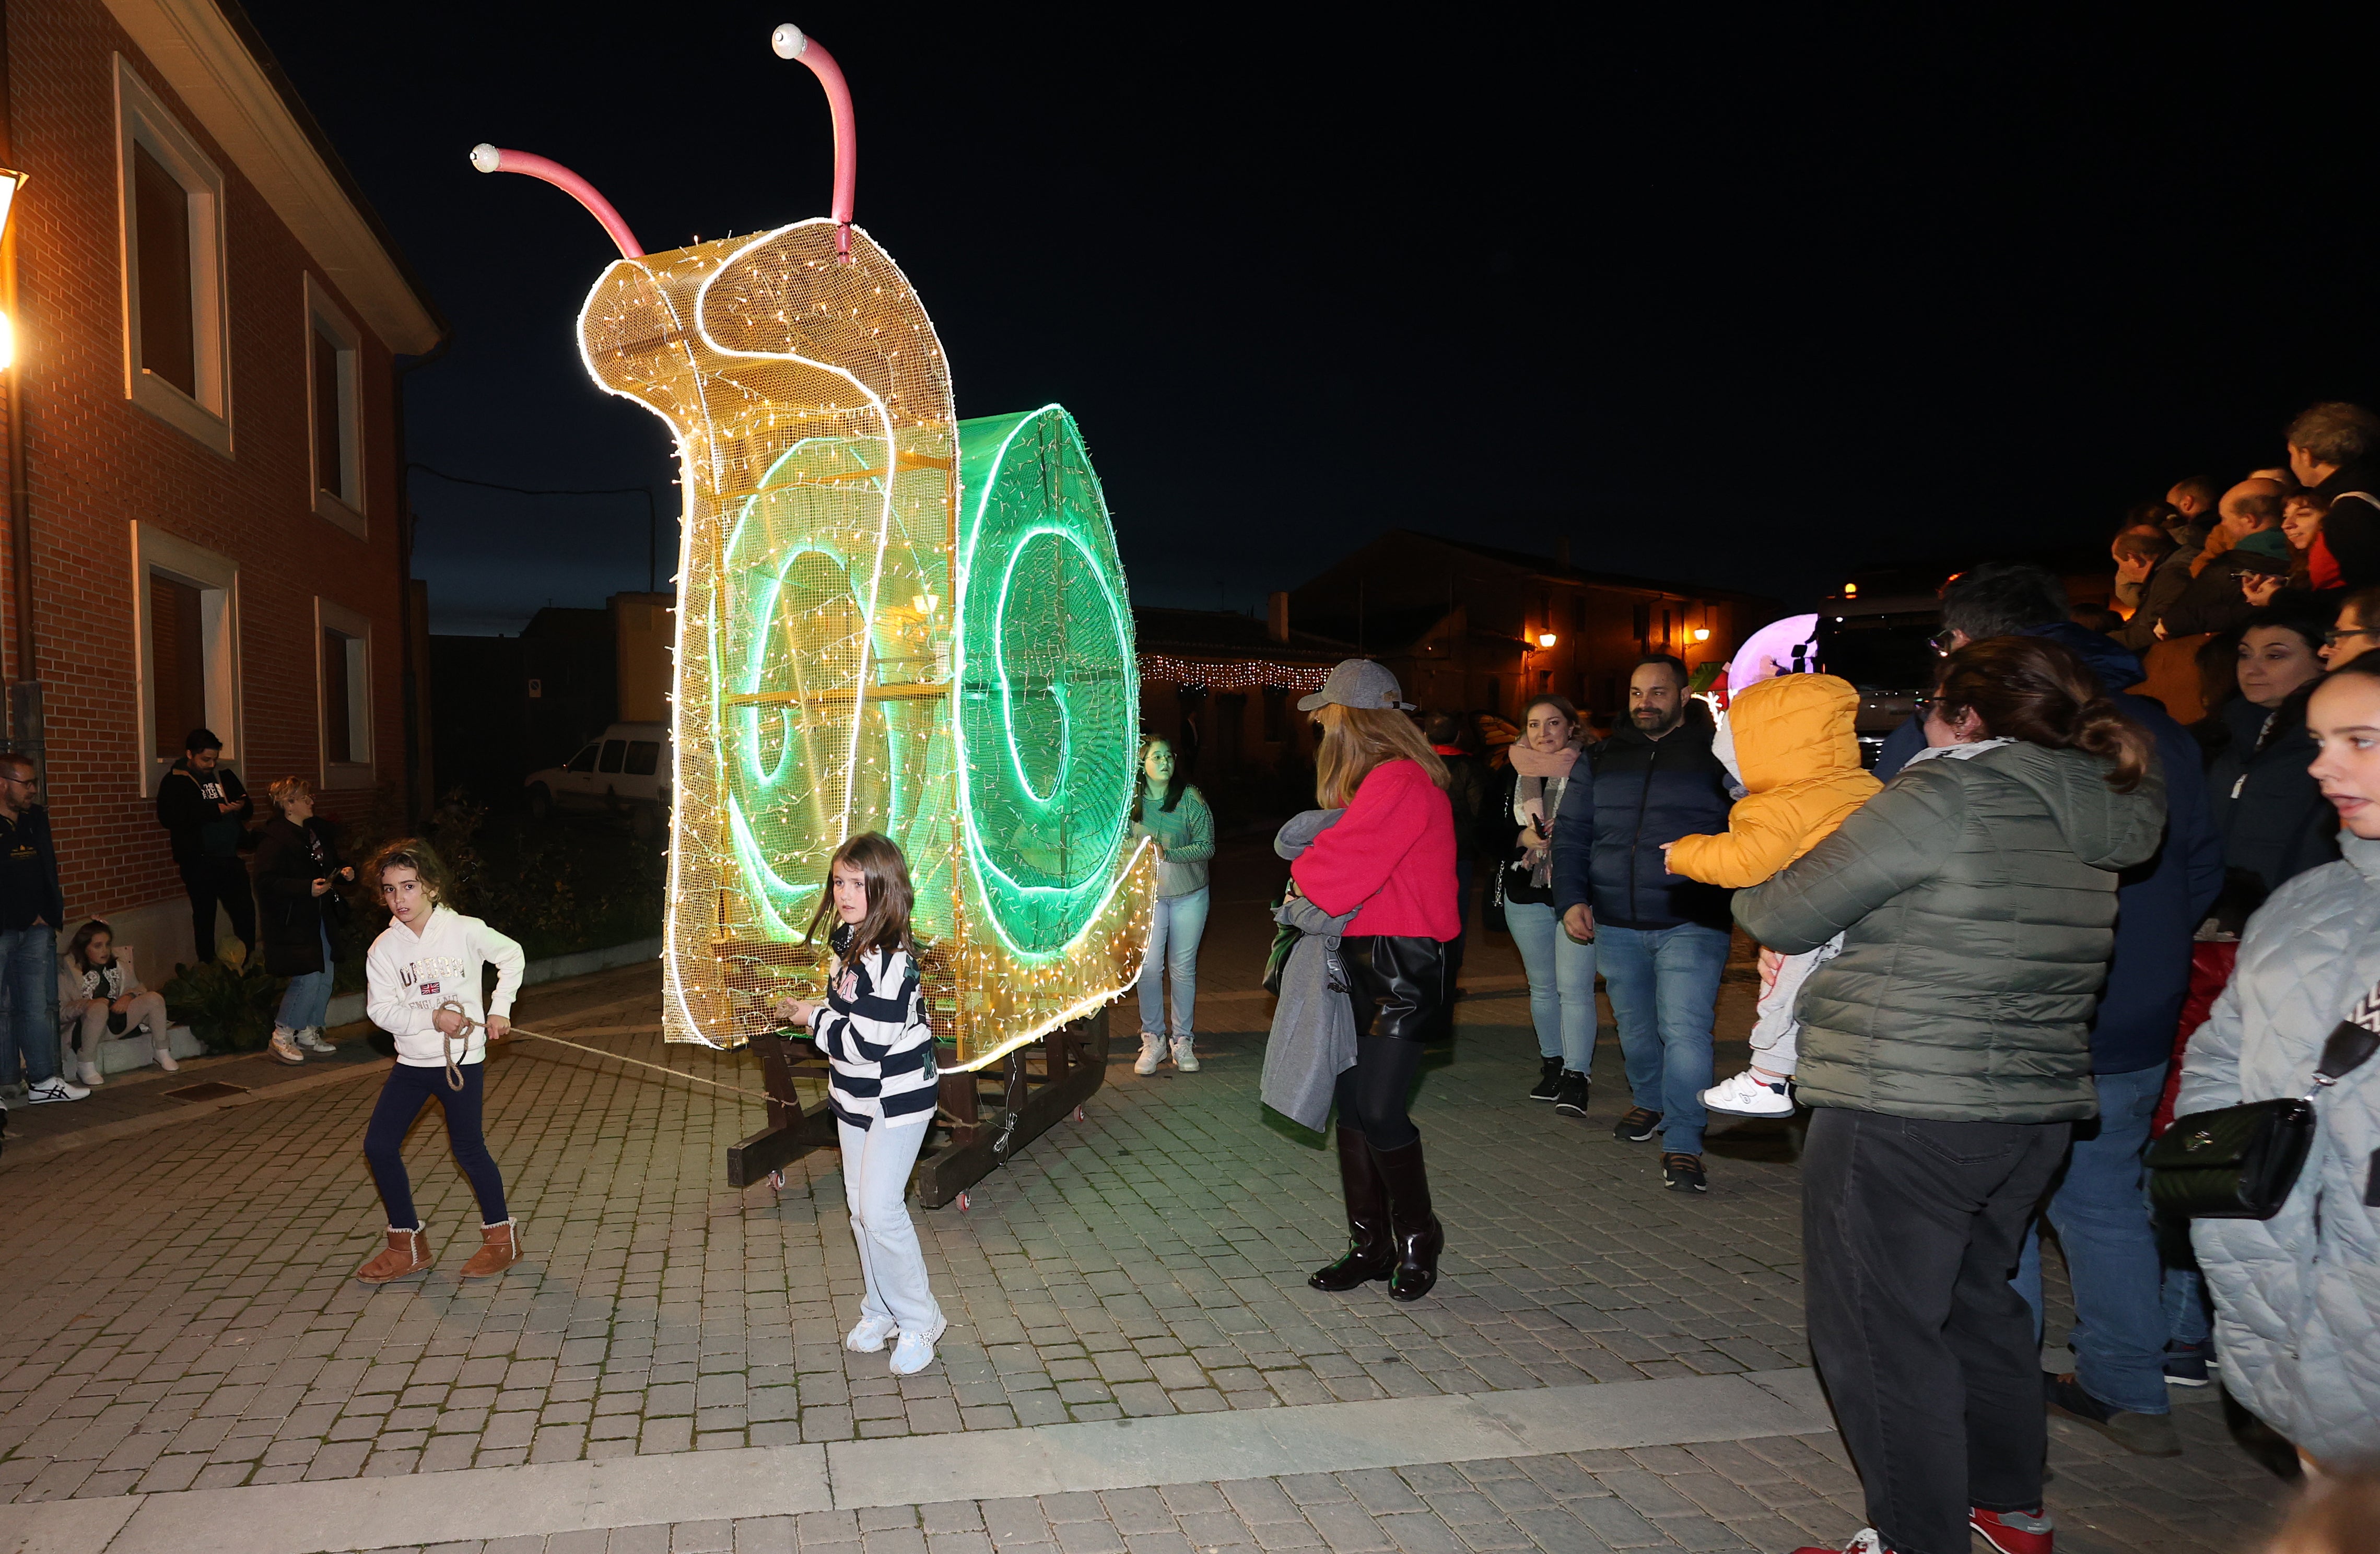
(1049, 691)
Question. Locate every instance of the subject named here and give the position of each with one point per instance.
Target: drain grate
(213, 1089)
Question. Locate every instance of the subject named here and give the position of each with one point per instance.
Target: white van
(625, 772)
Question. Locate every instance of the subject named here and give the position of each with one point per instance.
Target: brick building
(207, 467)
(1465, 625)
(1222, 688)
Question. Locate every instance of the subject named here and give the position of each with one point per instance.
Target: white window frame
(142, 120)
(340, 500)
(217, 579)
(357, 628)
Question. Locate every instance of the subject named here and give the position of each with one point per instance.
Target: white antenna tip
(788, 41)
(486, 158)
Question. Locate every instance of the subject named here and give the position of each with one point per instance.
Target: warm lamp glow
(10, 182)
(1547, 639)
(1850, 590)
(7, 342)
(1702, 634)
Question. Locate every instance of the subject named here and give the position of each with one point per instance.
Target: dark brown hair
(890, 896)
(2024, 688)
(80, 943)
(411, 851)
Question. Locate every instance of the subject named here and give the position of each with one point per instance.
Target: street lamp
(1702, 634)
(1547, 639)
(10, 182)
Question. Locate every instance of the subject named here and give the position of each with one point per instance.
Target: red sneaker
(1868, 1542)
(2014, 1532)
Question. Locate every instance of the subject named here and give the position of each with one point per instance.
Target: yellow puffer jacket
(1799, 758)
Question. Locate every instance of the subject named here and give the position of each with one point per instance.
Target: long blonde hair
(1356, 739)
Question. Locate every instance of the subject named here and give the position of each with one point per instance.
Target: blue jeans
(1176, 923)
(1664, 987)
(2101, 1212)
(2186, 1320)
(401, 1098)
(1562, 983)
(306, 1003)
(29, 976)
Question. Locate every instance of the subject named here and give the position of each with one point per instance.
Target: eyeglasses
(1944, 642)
(2336, 634)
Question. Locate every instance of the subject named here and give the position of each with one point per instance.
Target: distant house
(1472, 626)
(503, 707)
(1223, 688)
(205, 507)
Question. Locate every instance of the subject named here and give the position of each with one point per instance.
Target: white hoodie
(408, 975)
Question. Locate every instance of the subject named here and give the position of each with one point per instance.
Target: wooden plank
(1029, 1110)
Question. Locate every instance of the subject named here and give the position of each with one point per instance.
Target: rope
(471, 1024)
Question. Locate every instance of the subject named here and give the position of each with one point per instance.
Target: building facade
(207, 482)
(1222, 688)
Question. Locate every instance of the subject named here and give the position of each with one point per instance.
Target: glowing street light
(1702, 634)
(1547, 639)
(10, 182)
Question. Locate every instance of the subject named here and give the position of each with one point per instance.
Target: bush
(229, 1003)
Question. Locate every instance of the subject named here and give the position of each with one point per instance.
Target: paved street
(187, 1321)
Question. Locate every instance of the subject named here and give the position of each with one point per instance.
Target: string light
(889, 620)
(1232, 674)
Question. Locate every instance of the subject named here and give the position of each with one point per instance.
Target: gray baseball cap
(1356, 683)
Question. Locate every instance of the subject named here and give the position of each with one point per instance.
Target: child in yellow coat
(1797, 757)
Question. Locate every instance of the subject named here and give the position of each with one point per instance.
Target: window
(177, 364)
(1276, 714)
(344, 679)
(644, 757)
(584, 761)
(335, 411)
(186, 620)
(613, 751)
(1231, 722)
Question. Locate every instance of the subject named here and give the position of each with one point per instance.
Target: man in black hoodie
(2335, 449)
(203, 807)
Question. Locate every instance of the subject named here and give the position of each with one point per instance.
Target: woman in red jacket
(1390, 860)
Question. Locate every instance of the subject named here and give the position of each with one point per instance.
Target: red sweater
(1391, 853)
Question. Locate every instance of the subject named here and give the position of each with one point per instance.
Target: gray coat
(2297, 1297)
(1313, 1036)
(1977, 904)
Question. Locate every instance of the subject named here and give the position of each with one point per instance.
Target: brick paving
(187, 1320)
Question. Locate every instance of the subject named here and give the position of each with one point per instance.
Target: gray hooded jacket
(1976, 900)
(1313, 1036)
(2297, 1296)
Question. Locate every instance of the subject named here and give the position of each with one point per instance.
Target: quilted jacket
(1799, 754)
(2297, 1297)
(1976, 900)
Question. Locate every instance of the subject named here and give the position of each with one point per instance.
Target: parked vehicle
(625, 774)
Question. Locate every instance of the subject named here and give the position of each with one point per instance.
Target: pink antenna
(790, 44)
(489, 159)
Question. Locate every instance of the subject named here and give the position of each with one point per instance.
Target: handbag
(2241, 1162)
(1491, 911)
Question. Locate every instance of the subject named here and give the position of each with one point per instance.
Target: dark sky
(1733, 297)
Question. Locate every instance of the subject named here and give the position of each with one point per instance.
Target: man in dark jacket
(203, 807)
(2213, 602)
(31, 906)
(1660, 938)
(2335, 449)
(2099, 1208)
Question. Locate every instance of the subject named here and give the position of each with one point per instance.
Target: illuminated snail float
(889, 619)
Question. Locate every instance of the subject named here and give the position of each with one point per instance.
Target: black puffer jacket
(1976, 898)
(290, 915)
(1608, 835)
(2276, 824)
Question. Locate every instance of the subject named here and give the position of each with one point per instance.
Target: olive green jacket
(1977, 904)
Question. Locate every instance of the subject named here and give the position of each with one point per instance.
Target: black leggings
(1372, 1094)
(400, 1103)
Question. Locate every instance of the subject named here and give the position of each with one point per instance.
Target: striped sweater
(876, 1043)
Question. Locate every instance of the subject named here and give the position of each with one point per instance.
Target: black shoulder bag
(2242, 1161)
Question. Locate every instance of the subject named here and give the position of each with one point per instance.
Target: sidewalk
(192, 1353)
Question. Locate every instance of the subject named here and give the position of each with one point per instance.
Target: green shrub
(229, 1003)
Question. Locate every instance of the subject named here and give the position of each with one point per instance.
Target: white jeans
(876, 1165)
(1776, 1033)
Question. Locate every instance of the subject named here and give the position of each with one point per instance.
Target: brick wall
(97, 462)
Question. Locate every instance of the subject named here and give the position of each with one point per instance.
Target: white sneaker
(1748, 1094)
(52, 1090)
(88, 1073)
(869, 1336)
(1184, 1060)
(915, 1351)
(162, 1044)
(285, 1048)
(1152, 1050)
(310, 1039)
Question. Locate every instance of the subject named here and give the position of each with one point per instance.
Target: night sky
(1737, 299)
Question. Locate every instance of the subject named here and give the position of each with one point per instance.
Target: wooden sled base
(984, 1116)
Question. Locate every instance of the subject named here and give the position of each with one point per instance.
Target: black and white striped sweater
(874, 1033)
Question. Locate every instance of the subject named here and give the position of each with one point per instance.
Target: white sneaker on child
(1748, 1094)
(915, 1351)
(868, 1336)
(87, 1071)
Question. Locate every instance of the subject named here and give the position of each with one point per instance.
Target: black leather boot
(1371, 1253)
(1418, 1235)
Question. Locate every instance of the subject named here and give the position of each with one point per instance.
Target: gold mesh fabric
(818, 632)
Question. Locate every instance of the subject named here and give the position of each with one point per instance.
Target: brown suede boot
(499, 1249)
(408, 1254)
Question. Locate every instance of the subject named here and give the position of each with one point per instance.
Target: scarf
(1536, 767)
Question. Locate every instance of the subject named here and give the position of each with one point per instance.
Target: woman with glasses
(2356, 630)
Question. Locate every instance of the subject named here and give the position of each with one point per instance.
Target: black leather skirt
(1397, 981)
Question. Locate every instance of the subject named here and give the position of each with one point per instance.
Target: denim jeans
(1664, 987)
(401, 1098)
(306, 1003)
(1562, 983)
(2186, 1320)
(2101, 1211)
(1175, 924)
(29, 975)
